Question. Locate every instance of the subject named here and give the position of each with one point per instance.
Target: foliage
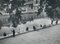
(51, 7)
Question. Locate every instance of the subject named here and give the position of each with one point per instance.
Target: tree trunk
(1, 24)
(56, 21)
(51, 21)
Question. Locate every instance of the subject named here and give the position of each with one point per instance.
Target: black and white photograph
(29, 21)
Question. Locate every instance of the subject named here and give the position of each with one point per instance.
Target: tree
(39, 11)
(6, 0)
(57, 14)
(18, 15)
(51, 8)
(42, 3)
(15, 18)
(14, 5)
(52, 12)
(22, 2)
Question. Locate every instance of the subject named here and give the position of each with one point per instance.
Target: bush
(40, 25)
(27, 29)
(34, 28)
(4, 34)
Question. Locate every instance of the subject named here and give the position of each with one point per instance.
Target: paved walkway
(45, 36)
(18, 33)
(9, 35)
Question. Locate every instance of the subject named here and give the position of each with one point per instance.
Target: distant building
(30, 9)
(31, 6)
(4, 17)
